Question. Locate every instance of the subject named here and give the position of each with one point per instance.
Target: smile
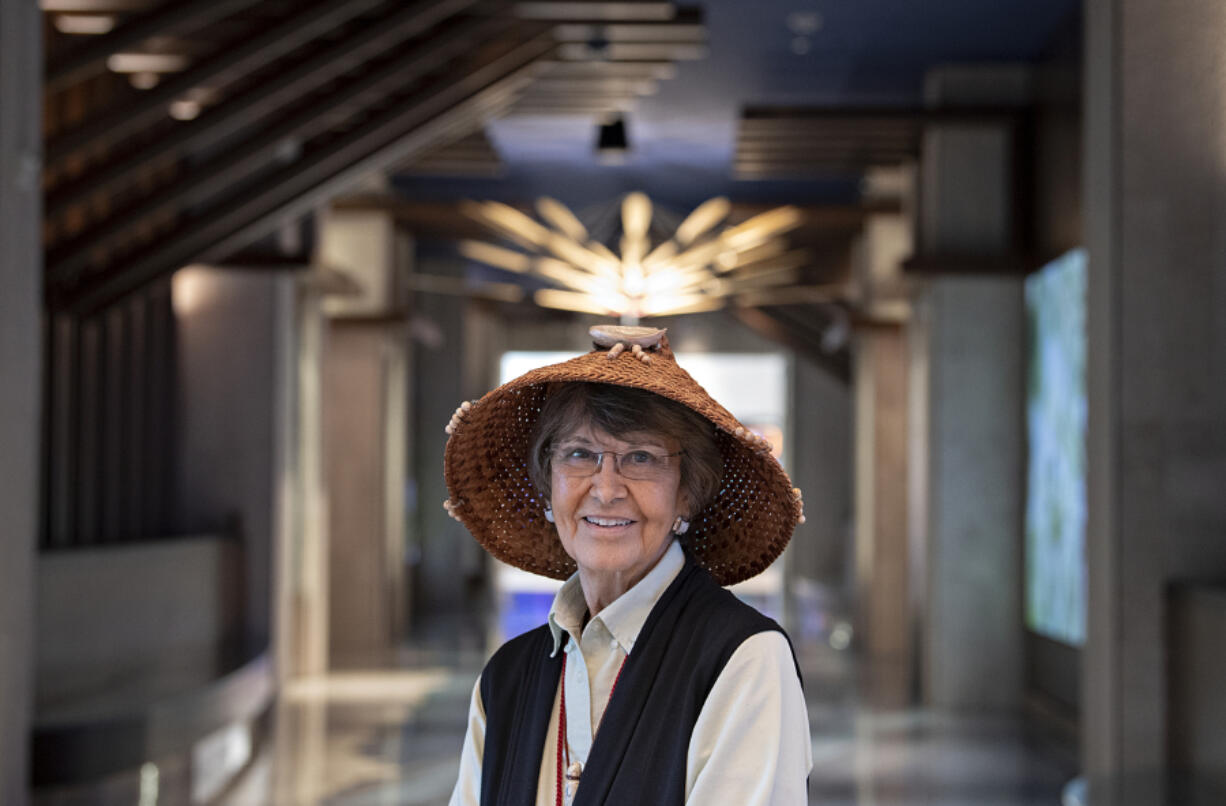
(607, 521)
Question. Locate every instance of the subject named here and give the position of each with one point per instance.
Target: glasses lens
(639, 464)
(576, 461)
(642, 464)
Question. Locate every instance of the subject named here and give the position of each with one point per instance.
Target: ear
(683, 505)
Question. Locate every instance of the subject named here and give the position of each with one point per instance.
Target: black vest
(639, 754)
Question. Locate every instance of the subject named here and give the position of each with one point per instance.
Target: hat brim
(736, 536)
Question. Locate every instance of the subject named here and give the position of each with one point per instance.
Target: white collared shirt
(750, 745)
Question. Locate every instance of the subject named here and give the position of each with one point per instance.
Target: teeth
(606, 521)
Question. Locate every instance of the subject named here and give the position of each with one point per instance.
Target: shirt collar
(625, 616)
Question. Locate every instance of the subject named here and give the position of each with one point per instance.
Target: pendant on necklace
(572, 777)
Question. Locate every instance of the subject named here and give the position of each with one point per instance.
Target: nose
(607, 483)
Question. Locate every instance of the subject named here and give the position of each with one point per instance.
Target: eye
(641, 458)
(577, 454)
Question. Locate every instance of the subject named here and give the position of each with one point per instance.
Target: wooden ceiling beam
(597, 11)
(561, 86)
(853, 161)
(536, 93)
(1011, 263)
(820, 216)
(801, 133)
(257, 103)
(767, 128)
(445, 110)
(446, 220)
(919, 114)
(839, 140)
(90, 58)
(850, 170)
(672, 32)
(817, 149)
(150, 106)
(657, 69)
(633, 51)
(246, 159)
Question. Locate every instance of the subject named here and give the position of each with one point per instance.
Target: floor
(370, 738)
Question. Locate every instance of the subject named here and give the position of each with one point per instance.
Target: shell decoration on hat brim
(618, 338)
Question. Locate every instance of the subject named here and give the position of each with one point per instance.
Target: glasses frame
(558, 462)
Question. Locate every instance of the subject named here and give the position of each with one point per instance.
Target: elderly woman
(650, 683)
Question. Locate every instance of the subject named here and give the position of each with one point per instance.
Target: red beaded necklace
(563, 746)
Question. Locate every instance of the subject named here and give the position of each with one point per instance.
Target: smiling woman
(615, 527)
(650, 683)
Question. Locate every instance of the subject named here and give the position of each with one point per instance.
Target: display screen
(1056, 431)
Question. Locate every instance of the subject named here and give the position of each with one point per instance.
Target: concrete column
(20, 362)
(967, 186)
(444, 548)
(821, 438)
(966, 346)
(1155, 193)
(233, 339)
(970, 332)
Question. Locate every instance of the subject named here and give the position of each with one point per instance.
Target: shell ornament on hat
(736, 536)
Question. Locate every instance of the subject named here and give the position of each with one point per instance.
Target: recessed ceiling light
(805, 23)
(184, 109)
(146, 62)
(84, 23)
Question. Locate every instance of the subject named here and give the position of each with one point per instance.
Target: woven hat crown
(737, 535)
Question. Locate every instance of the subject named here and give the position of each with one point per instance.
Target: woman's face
(609, 524)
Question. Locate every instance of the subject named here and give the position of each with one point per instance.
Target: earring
(680, 526)
(549, 514)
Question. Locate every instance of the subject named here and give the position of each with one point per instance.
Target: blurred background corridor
(961, 262)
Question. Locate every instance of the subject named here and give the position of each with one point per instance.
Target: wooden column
(881, 494)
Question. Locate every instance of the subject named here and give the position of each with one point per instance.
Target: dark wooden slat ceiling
(788, 142)
(777, 143)
(473, 155)
(238, 116)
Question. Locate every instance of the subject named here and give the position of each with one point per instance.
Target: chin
(614, 558)
(606, 562)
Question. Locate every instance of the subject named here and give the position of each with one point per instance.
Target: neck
(602, 588)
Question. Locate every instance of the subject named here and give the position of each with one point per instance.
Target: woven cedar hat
(734, 537)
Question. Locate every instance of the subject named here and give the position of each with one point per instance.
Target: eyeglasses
(637, 464)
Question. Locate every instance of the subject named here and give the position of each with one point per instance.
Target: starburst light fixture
(698, 268)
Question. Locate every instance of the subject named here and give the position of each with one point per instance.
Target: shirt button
(613, 644)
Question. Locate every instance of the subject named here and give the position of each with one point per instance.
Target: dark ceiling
(847, 53)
